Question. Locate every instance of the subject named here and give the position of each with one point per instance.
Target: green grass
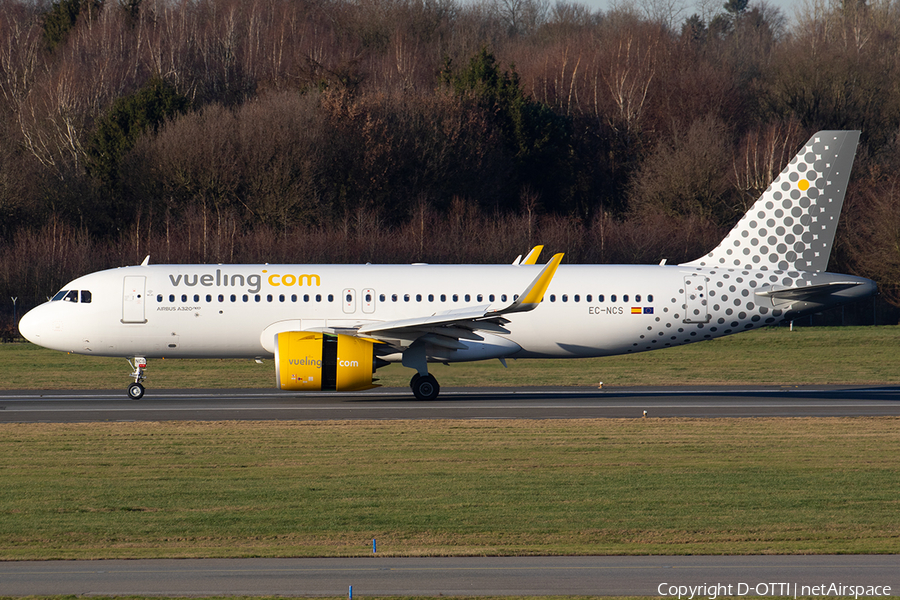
(463, 488)
(775, 356)
(656, 486)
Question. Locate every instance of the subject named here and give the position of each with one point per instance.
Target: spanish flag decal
(636, 310)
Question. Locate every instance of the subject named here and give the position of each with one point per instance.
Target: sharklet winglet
(534, 293)
(532, 257)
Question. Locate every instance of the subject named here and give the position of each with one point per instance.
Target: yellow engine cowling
(312, 361)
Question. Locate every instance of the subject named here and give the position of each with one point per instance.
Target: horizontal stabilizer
(809, 291)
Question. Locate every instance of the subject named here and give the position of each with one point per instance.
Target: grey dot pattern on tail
(792, 225)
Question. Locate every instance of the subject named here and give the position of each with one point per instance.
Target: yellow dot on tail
(803, 185)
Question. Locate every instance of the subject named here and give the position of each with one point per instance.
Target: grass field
(849, 355)
(656, 486)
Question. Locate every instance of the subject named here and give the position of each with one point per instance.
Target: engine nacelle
(311, 361)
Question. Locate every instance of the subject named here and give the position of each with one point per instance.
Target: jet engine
(311, 361)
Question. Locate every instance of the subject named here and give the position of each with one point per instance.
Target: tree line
(427, 130)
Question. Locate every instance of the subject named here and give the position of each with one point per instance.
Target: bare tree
(628, 78)
(762, 155)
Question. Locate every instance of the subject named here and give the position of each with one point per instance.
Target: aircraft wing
(464, 322)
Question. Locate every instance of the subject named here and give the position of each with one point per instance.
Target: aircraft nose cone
(29, 327)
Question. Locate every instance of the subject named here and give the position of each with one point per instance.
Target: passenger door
(134, 299)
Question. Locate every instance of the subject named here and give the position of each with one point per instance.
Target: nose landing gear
(136, 390)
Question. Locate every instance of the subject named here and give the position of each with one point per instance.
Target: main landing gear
(136, 390)
(424, 387)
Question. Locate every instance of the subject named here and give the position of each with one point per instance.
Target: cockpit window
(72, 296)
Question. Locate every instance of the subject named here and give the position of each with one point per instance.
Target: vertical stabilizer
(792, 225)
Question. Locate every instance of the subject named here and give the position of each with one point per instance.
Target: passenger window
(184, 297)
(318, 297)
(406, 297)
(577, 298)
(233, 298)
(431, 297)
(393, 297)
(418, 297)
(565, 297)
(612, 298)
(257, 297)
(468, 298)
(293, 297)
(280, 297)
(480, 297)
(443, 297)
(171, 297)
(159, 297)
(196, 297)
(587, 298)
(637, 298)
(491, 297)
(221, 298)
(625, 298)
(503, 298)
(306, 297)
(349, 298)
(85, 297)
(600, 298)
(331, 297)
(650, 298)
(245, 298)
(552, 297)
(208, 298)
(456, 297)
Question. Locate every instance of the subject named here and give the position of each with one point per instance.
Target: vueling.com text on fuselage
(253, 280)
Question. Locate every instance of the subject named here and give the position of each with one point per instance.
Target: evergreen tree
(736, 7)
(63, 15)
(538, 138)
(128, 118)
(116, 133)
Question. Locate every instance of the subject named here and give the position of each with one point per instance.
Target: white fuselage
(232, 311)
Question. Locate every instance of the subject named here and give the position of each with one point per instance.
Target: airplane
(329, 327)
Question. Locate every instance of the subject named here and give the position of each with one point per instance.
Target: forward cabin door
(134, 299)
